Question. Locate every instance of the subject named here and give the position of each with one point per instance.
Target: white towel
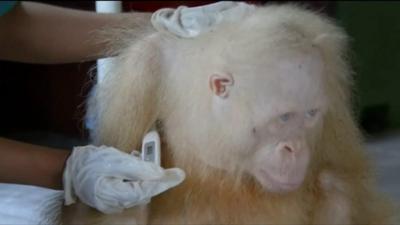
(24, 204)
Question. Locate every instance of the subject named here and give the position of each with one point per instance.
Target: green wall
(375, 31)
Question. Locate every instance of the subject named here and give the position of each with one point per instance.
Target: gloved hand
(110, 180)
(190, 22)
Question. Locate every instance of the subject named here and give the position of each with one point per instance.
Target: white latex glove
(190, 22)
(110, 180)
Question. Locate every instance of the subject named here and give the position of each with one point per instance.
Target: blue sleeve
(6, 6)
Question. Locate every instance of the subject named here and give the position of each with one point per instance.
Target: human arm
(31, 164)
(111, 180)
(39, 33)
(102, 177)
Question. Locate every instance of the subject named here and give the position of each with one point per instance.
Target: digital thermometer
(151, 150)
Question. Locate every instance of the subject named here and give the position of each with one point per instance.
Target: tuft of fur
(158, 77)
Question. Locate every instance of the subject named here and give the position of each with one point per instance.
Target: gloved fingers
(149, 188)
(108, 161)
(110, 180)
(119, 194)
(135, 169)
(89, 154)
(236, 12)
(166, 20)
(113, 195)
(189, 22)
(212, 8)
(137, 190)
(136, 153)
(172, 177)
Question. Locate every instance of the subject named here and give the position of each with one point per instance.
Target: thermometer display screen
(149, 154)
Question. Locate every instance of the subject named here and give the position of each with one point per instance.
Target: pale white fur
(163, 78)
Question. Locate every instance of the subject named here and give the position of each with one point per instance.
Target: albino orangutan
(256, 112)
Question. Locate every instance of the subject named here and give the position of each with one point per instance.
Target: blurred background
(45, 104)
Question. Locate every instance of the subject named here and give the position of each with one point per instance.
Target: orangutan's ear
(220, 84)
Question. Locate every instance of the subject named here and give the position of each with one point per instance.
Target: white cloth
(110, 180)
(29, 205)
(189, 22)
